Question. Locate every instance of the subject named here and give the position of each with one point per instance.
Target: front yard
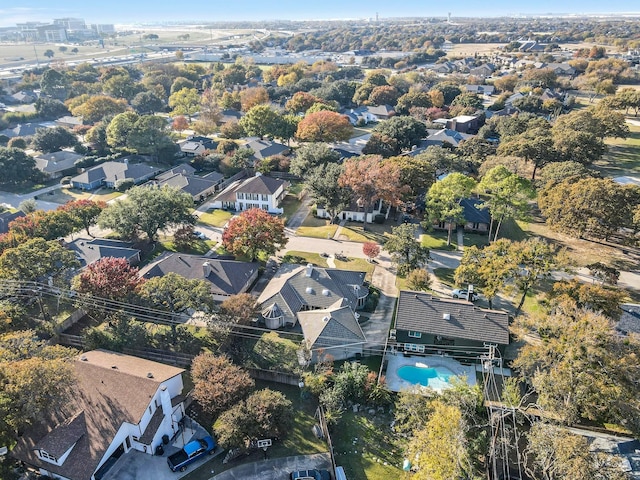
(215, 218)
(65, 195)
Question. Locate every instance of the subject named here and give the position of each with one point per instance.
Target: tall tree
(176, 294)
(84, 213)
(218, 383)
(261, 120)
(580, 367)
(372, 180)
(17, 167)
(53, 139)
(148, 210)
(37, 379)
(254, 232)
(324, 126)
(404, 131)
(37, 260)
(109, 277)
(146, 103)
(96, 107)
(185, 102)
(311, 155)
(323, 182)
(443, 199)
(509, 197)
(406, 252)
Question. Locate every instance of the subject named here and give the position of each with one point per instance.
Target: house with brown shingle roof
(423, 319)
(120, 403)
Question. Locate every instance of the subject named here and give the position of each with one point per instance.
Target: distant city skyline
(152, 11)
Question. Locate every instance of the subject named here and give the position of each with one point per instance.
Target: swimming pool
(435, 377)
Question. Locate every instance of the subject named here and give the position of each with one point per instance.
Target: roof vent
(446, 316)
(326, 319)
(115, 367)
(84, 358)
(309, 270)
(149, 375)
(309, 290)
(326, 292)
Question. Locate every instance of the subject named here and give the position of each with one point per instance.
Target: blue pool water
(427, 377)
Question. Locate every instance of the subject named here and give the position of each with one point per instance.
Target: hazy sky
(140, 11)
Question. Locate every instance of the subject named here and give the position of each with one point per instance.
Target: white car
(462, 293)
(200, 235)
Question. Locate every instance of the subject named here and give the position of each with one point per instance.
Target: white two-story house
(120, 403)
(260, 191)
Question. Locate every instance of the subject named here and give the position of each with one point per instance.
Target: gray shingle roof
(424, 313)
(318, 288)
(265, 148)
(113, 171)
(93, 250)
(227, 277)
(183, 168)
(472, 211)
(330, 327)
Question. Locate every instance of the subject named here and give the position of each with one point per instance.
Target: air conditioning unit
(392, 334)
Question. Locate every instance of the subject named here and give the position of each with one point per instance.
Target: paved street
(276, 468)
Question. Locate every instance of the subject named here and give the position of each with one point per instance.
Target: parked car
(200, 235)
(311, 475)
(191, 452)
(462, 293)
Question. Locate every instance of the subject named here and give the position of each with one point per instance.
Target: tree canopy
(254, 232)
(406, 252)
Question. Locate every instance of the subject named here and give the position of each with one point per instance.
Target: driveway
(276, 468)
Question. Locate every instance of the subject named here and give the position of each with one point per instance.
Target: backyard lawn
(367, 448)
(623, 157)
(215, 218)
(299, 440)
(65, 195)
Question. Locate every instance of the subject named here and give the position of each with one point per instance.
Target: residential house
(266, 148)
(332, 331)
(259, 191)
(486, 90)
(182, 177)
(24, 97)
(381, 112)
(485, 70)
(424, 322)
(462, 123)
(445, 67)
(296, 288)
(229, 115)
(69, 121)
(7, 217)
(89, 251)
(560, 69)
(57, 164)
(22, 130)
(531, 46)
(226, 277)
(355, 212)
(120, 403)
(351, 148)
(445, 135)
(516, 96)
(359, 116)
(108, 174)
(193, 146)
(476, 218)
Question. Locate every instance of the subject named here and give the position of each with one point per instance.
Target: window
(412, 347)
(265, 197)
(49, 458)
(265, 207)
(413, 334)
(240, 196)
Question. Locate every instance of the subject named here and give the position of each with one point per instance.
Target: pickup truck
(191, 452)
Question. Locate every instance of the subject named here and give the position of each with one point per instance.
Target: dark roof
(473, 213)
(7, 217)
(260, 184)
(266, 148)
(103, 399)
(331, 327)
(190, 184)
(90, 251)
(227, 277)
(422, 312)
(57, 161)
(113, 171)
(313, 287)
(183, 168)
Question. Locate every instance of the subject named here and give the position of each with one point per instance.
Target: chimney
(206, 268)
(309, 270)
(165, 399)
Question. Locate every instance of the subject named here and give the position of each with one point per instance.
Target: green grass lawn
(623, 157)
(367, 448)
(215, 218)
(294, 256)
(357, 265)
(436, 241)
(316, 228)
(299, 440)
(65, 195)
(375, 232)
(445, 275)
(290, 204)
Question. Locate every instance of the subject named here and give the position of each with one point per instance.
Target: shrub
(124, 184)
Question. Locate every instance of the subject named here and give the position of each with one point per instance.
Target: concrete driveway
(276, 468)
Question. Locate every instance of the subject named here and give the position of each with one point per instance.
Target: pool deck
(397, 360)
